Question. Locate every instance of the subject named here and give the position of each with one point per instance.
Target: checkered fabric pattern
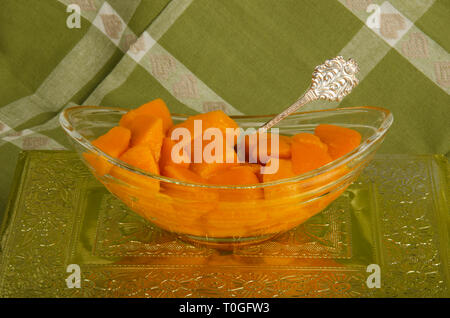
(241, 56)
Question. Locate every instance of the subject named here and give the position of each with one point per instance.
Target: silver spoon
(331, 81)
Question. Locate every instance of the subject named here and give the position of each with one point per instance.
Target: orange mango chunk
(142, 158)
(284, 150)
(182, 173)
(166, 155)
(205, 170)
(215, 119)
(214, 158)
(113, 143)
(191, 203)
(308, 153)
(156, 108)
(240, 175)
(308, 138)
(186, 192)
(256, 168)
(147, 130)
(340, 140)
(285, 170)
(259, 146)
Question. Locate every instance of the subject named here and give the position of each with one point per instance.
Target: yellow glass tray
(396, 216)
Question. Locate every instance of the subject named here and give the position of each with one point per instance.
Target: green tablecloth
(243, 56)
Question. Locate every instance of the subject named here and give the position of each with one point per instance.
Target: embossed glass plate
(396, 215)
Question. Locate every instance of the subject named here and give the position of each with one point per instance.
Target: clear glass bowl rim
(364, 147)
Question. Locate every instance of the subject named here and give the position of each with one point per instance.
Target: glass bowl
(224, 216)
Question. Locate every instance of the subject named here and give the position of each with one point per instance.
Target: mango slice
(308, 153)
(186, 192)
(214, 158)
(182, 173)
(147, 130)
(142, 158)
(285, 170)
(156, 108)
(216, 119)
(166, 155)
(340, 140)
(113, 143)
(256, 168)
(240, 175)
(259, 148)
(191, 205)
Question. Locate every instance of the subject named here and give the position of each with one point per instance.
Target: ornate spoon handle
(331, 81)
